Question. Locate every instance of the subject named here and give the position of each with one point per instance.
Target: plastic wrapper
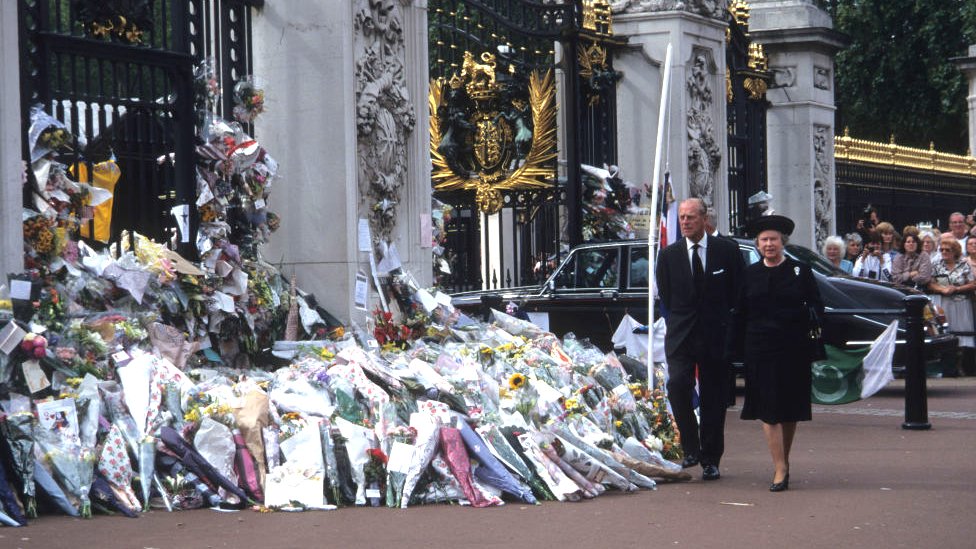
(630, 478)
(47, 484)
(89, 406)
(590, 488)
(200, 493)
(247, 471)
(8, 502)
(18, 432)
(196, 464)
(452, 448)
(561, 486)
(347, 485)
(330, 461)
(649, 463)
(428, 437)
(69, 463)
(252, 417)
(272, 449)
(491, 471)
(300, 477)
(215, 442)
(358, 440)
(516, 326)
(103, 494)
(115, 468)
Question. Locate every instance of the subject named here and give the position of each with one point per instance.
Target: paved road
(858, 480)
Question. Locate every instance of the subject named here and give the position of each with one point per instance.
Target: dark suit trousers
(707, 440)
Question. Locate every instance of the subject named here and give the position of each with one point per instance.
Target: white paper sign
(361, 297)
(426, 235)
(10, 337)
(539, 319)
(365, 241)
(20, 289)
(36, 378)
(391, 260)
(182, 214)
(401, 456)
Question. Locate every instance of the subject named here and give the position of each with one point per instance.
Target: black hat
(779, 223)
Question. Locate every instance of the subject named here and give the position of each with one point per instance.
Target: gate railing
(124, 86)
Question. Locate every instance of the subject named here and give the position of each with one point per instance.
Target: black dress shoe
(781, 486)
(689, 461)
(710, 472)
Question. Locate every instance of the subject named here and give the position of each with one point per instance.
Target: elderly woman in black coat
(773, 313)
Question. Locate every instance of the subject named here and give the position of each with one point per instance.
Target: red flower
(377, 454)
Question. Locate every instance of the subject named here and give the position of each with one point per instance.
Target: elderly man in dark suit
(697, 278)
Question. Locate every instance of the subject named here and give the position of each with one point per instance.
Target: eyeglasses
(945, 249)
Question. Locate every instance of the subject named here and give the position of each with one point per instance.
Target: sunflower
(516, 381)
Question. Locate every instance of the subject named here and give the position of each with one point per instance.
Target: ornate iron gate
(510, 44)
(746, 82)
(119, 74)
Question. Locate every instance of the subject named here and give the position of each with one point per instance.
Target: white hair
(832, 241)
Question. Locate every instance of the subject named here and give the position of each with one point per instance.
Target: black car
(596, 285)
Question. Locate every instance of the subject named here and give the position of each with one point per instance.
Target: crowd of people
(941, 264)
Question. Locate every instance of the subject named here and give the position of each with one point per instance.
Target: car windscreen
(816, 261)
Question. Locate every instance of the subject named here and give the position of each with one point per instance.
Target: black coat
(772, 325)
(686, 312)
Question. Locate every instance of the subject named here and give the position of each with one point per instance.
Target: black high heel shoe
(781, 486)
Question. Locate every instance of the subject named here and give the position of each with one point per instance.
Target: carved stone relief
(384, 112)
(823, 182)
(783, 77)
(704, 155)
(821, 78)
(708, 8)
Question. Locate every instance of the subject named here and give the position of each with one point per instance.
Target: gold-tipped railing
(890, 154)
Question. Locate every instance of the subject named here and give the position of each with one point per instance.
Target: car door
(586, 295)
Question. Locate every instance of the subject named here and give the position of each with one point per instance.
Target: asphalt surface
(858, 480)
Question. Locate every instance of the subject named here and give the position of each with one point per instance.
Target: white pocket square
(718, 272)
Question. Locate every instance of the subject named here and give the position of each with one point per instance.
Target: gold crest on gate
(491, 134)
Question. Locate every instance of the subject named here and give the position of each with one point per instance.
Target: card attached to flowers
(59, 416)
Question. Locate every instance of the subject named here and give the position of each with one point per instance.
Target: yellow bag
(106, 176)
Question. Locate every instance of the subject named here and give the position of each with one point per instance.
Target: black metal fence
(120, 76)
(902, 196)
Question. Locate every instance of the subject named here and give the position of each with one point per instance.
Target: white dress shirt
(702, 245)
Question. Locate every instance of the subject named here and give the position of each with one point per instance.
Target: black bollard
(916, 400)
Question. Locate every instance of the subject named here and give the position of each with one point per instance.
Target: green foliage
(896, 76)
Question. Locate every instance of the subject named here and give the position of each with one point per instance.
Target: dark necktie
(697, 270)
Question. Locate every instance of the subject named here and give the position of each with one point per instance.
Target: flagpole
(655, 183)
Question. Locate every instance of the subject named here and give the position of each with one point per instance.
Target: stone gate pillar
(800, 42)
(11, 163)
(967, 65)
(695, 136)
(346, 83)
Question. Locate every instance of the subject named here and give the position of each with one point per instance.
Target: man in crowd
(697, 278)
(959, 229)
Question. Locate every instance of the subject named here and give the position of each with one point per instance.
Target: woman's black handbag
(817, 350)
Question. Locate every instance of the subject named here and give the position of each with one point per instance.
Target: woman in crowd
(953, 283)
(912, 267)
(772, 327)
(833, 250)
(930, 244)
(854, 243)
(873, 263)
(890, 240)
(971, 254)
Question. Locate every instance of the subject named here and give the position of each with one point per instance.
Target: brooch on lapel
(796, 271)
